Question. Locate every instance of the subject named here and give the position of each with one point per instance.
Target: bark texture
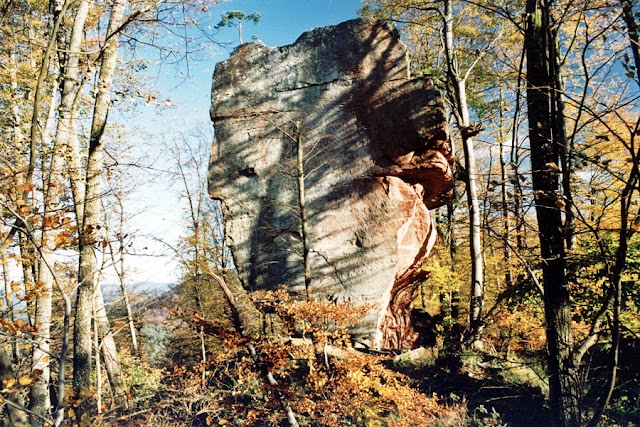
(90, 225)
(376, 158)
(545, 156)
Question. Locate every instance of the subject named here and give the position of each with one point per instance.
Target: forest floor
(492, 396)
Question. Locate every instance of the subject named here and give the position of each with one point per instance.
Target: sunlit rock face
(376, 159)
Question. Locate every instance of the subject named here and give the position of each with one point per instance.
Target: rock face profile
(327, 157)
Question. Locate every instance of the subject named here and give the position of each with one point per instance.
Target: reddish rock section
(376, 159)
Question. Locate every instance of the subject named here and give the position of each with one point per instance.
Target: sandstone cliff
(375, 159)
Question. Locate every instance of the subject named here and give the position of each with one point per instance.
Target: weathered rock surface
(376, 159)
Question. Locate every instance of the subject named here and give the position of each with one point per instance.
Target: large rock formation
(376, 158)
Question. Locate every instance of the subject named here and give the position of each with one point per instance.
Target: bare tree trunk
(29, 272)
(27, 255)
(97, 347)
(119, 265)
(8, 297)
(506, 237)
(123, 286)
(476, 307)
(66, 132)
(633, 31)
(40, 401)
(127, 305)
(91, 214)
(125, 293)
(108, 346)
(545, 155)
(565, 152)
(459, 95)
(64, 351)
(302, 208)
(518, 211)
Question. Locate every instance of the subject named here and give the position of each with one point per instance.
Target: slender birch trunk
(8, 298)
(91, 214)
(119, 266)
(302, 208)
(506, 238)
(457, 83)
(97, 347)
(107, 345)
(40, 399)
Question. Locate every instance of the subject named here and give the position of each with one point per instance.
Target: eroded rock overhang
(376, 159)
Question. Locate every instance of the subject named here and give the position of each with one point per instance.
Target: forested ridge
(529, 315)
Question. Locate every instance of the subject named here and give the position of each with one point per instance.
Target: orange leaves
(357, 389)
(363, 391)
(62, 239)
(15, 328)
(23, 208)
(25, 188)
(65, 230)
(323, 320)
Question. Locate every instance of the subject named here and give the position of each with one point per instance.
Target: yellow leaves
(356, 376)
(86, 393)
(25, 380)
(15, 286)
